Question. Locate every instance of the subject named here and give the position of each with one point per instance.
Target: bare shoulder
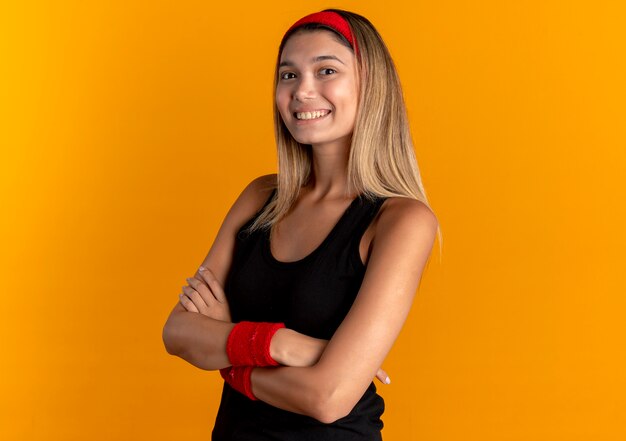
(251, 199)
(399, 209)
(407, 220)
(264, 183)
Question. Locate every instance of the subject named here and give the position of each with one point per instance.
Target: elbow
(168, 338)
(327, 417)
(177, 344)
(173, 333)
(330, 407)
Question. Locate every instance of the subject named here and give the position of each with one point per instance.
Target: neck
(330, 170)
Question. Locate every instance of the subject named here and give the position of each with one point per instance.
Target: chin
(308, 141)
(311, 140)
(305, 139)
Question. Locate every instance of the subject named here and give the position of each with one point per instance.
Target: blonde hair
(382, 161)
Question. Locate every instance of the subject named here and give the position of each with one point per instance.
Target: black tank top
(311, 296)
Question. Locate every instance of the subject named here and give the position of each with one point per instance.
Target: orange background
(127, 129)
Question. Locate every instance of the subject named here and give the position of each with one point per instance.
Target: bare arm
(199, 339)
(330, 389)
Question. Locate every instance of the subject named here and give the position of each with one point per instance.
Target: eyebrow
(314, 60)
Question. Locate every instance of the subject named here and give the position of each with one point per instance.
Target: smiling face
(317, 88)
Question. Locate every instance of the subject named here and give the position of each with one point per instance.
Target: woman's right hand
(291, 348)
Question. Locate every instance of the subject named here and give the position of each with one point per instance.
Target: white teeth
(311, 115)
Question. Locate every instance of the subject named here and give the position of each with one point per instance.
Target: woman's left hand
(206, 296)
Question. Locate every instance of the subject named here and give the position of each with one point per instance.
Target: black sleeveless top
(311, 296)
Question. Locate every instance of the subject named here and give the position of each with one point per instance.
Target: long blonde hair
(382, 161)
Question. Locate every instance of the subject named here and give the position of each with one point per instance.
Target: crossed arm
(328, 384)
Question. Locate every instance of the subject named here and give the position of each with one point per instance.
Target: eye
(328, 71)
(286, 75)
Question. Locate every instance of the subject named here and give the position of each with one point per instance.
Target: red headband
(328, 18)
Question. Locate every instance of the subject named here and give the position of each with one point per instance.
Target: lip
(301, 110)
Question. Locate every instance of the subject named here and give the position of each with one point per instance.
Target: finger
(187, 304)
(196, 298)
(383, 377)
(214, 284)
(202, 289)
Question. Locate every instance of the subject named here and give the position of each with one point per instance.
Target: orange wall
(128, 128)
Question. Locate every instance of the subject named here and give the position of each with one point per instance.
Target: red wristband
(248, 343)
(239, 379)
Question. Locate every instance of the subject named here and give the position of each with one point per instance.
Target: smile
(311, 115)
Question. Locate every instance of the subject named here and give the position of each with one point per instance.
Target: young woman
(314, 269)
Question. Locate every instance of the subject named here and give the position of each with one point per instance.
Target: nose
(304, 89)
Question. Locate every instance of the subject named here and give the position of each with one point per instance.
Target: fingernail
(387, 380)
(188, 279)
(201, 268)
